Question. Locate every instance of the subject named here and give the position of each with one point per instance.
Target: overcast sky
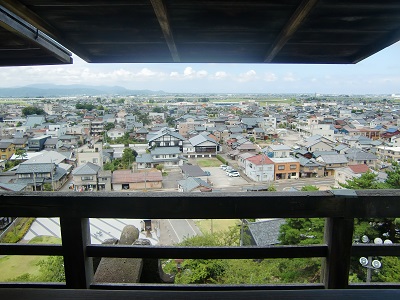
(378, 74)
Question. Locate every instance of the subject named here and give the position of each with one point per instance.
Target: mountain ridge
(52, 90)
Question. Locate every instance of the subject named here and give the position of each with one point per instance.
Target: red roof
(260, 160)
(359, 169)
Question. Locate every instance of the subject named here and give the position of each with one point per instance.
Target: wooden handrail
(339, 207)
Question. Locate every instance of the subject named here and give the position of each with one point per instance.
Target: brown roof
(126, 176)
(260, 160)
(359, 169)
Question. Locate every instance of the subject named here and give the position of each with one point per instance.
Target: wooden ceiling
(254, 31)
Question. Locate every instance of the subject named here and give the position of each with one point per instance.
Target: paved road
(174, 231)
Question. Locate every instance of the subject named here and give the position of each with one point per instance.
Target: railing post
(75, 233)
(339, 238)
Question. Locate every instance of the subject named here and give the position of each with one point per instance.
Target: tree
(20, 153)
(52, 269)
(109, 126)
(128, 157)
(393, 176)
(366, 181)
(32, 110)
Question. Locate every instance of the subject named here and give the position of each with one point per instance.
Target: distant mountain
(51, 90)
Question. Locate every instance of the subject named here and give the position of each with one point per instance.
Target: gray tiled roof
(198, 139)
(25, 168)
(334, 159)
(266, 232)
(191, 183)
(87, 169)
(165, 150)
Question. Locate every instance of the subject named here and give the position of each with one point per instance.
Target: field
(12, 266)
(207, 162)
(217, 224)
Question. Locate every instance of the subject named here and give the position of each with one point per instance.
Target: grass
(208, 162)
(218, 224)
(12, 266)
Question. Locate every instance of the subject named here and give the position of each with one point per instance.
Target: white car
(234, 174)
(223, 167)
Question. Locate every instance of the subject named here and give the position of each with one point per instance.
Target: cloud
(220, 75)
(248, 76)
(270, 77)
(289, 77)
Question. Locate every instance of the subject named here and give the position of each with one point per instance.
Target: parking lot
(220, 180)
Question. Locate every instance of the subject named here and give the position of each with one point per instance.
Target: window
(83, 178)
(294, 174)
(281, 167)
(293, 167)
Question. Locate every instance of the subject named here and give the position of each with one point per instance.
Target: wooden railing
(339, 207)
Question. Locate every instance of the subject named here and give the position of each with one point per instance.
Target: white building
(259, 168)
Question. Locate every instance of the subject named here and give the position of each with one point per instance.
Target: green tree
(109, 126)
(366, 181)
(52, 269)
(20, 153)
(32, 110)
(393, 176)
(128, 157)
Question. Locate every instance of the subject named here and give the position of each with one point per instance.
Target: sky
(378, 74)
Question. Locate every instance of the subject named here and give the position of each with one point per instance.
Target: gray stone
(129, 235)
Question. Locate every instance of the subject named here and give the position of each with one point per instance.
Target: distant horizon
(378, 74)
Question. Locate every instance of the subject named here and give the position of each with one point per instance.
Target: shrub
(221, 159)
(19, 231)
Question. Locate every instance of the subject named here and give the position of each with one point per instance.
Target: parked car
(234, 174)
(207, 173)
(230, 171)
(223, 167)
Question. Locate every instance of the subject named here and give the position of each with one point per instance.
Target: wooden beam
(75, 233)
(15, 24)
(388, 40)
(162, 16)
(29, 16)
(207, 252)
(290, 28)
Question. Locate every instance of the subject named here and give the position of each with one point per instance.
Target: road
(174, 231)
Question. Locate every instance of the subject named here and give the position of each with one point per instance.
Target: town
(195, 143)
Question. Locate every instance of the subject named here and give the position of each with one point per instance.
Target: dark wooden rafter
(13, 23)
(387, 41)
(162, 16)
(301, 13)
(29, 16)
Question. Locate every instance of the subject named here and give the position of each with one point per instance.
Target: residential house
(166, 156)
(7, 149)
(193, 171)
(104, 180)
(127, 180)
(286, 168)
(35, 175)
(193, 184)
(318, 145)
(259, 168)
(52, 144)
(357, 157)
(388, 153)
(342, 175)
(165, 138)
(277, 151)
(33, 121)
(85, 177)
(37, 143)
(201, 145)
(242, 159)
(130, 120)
(93, 154)
(115, 133)
(311, 168)
(332, 162)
